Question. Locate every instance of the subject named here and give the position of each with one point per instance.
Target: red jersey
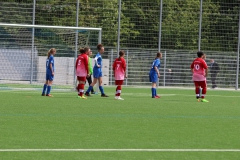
(199, 66)
(119, 68)
(82, 65)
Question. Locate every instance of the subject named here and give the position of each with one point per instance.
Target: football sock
(44, 89)
(101, 89)
(81, 89)
(89, 89)
(153, 92)
(49, 89)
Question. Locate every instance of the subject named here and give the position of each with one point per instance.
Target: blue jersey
(156, 63)
(49, 61)
(98, 61)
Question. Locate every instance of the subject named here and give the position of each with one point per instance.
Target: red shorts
(81, 78)
(118, 82)
(202, 84)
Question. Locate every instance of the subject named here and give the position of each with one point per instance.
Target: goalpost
(23, 51)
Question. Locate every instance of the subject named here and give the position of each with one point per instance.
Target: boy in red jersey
(199, 69)
(82, 71)
(119, 71)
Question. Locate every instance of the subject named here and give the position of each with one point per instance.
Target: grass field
(175, 126)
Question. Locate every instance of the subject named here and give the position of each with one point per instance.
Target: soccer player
(154, 74)
(49, 72)
(82, 71)
(119, 71)
(90, 68)
(97, 72)
(199, 69)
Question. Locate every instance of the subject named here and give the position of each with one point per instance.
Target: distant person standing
(97, 72)
(49, 73)
(199, 70)
(82, 71)
(154, 74)
(119, 71)
(90, 68)
(214, 69)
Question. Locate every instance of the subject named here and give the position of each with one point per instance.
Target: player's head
(100, 48)
(121, 54)
(200, 54)
(51, 51)
(87, 50)
(81, 50)
(159, 55)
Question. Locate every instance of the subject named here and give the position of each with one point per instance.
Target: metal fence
(176, 27)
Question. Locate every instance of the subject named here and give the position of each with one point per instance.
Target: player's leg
(153, 78)
(49, 88)
(197, 86)
(101, 87)
(44, 88)
(204, 90)
(95, 79)
(82, 81)
(118, 89)
(89, 79)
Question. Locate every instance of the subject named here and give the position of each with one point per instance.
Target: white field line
(119, 150)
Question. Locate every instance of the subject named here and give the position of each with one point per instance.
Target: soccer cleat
(87, 94)
(49, 95)
(83, 97)
(93, 93)
(198, 100)
(43, 94)
(204, 100)
(104, 95)
(118, 98)
(157, 96)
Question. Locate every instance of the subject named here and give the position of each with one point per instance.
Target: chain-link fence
(178, 27)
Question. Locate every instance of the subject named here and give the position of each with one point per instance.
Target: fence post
(160, 27)
(237, 74)
(127, 69)
(200, 26)
(111, 71)
(76, 47)
(164, 69)
(33, 30)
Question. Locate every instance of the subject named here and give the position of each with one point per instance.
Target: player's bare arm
(156, 69)
(51, 69)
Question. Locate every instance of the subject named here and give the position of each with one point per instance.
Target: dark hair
(81, 50)
(121, 53)
(86, 49)
(200, 54)
(99, 46)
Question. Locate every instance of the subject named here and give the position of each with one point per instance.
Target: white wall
(64, 70)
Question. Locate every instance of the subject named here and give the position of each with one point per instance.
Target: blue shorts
(49, 77)
(97, 74)
(153, 77)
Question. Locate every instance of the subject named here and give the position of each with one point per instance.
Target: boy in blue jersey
(97, 71)
(49, 72)
(154, 74)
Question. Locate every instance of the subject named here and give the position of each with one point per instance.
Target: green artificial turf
(175, 121)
